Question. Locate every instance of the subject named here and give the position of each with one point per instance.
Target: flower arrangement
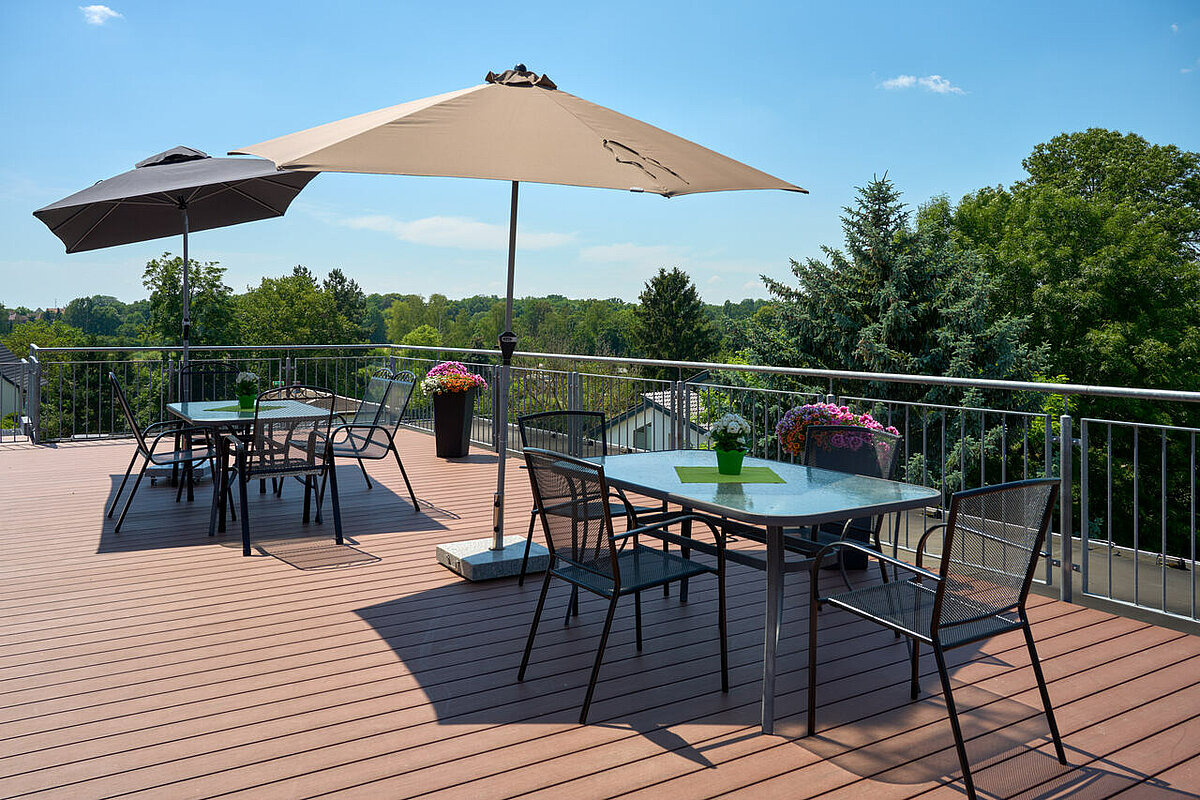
(791, 429)
(246, 383)
(729, 432)
(451, 376)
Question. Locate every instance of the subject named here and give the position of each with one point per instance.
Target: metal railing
(1129, 487)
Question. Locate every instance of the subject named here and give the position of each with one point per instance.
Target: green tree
(670, 323)
(291, 310)
(350, 302)
(98, 315)
(1099, 247)
(902, 298)
(43, 333)
(211, 305)
(422, 335)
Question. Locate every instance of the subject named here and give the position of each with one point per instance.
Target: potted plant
(246, 386)
(729, 435)
(791, 428)
(453, 389)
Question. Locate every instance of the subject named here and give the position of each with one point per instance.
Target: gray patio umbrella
(517, 126)
(174, 192)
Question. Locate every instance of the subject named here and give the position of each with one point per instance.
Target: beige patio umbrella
(515, 127)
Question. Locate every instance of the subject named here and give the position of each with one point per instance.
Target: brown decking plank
(694, 781)
(496, 762)
(298, 719)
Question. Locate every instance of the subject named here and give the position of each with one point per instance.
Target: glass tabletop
(806, 496)
(225, 412)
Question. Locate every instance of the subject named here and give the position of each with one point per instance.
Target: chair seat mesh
(640, 568)
(908, 605)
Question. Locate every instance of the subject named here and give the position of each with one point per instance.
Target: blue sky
(944, 97)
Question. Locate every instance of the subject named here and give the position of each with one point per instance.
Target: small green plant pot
(729, 462)
(246, 401)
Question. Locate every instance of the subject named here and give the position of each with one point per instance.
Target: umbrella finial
(520, 76)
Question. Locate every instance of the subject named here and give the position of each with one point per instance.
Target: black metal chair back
(130, 417)
(993, 539)
(572, 497)
(207, 380)
(574, 433)
(279, 444)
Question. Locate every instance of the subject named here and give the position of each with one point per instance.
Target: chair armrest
(925, 537)
(197, 430)
(869, 552)
(658, 531)
(163, 424)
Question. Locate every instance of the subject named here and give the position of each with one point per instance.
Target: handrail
(1086, 390)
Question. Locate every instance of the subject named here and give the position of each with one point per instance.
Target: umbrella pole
(508, 344)
(187, 306)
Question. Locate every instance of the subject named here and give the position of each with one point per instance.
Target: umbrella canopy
(145, 202)
(172, 193)
(517, 126)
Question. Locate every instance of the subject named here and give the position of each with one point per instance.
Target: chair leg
(1041, 682)
(411, 494)
(722, 627)
(959, 744)
(637, 619)
(337, 508)
(245, 507)
(813, 605)
(587, 698)
(362, 465)
(528, 544)
(572, 605)
(537, 615)
(112, 507)
(308, 496)
(132, 492)
(915, 685)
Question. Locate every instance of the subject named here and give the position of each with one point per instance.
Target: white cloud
(930, 83)
(900, 82)
(1174, 28)
(98, 15)
(457, 232)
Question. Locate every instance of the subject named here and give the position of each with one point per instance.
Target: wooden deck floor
(161, 663)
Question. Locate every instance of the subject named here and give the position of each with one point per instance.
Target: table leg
(772, 624)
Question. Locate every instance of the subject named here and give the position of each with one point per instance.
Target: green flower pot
(729, 462)
(246, 401)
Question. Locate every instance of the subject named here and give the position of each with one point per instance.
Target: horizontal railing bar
(870, 377)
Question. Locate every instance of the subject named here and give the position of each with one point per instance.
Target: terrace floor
(161, 663)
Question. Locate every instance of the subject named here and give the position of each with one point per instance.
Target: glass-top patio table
(226, 414)
(797, 496)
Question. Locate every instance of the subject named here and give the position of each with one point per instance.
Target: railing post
(574, 391)
(1066, 445)
(33, 398)
(676, 414)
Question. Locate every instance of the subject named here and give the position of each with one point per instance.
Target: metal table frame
(809, 496)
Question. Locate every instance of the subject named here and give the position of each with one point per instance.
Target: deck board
(161, 662)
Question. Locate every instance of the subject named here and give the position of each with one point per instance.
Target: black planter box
(452, 414)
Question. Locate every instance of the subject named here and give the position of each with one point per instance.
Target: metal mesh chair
(189, 446)
(371, 432)
(207, 380)
(573, 500)
(279, 445)
(993, 537)
(857, 451)
(581, 434)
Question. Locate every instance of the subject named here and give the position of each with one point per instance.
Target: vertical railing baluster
(1065, 508)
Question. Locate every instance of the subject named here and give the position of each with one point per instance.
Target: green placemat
(236, 407)
(710, 475)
